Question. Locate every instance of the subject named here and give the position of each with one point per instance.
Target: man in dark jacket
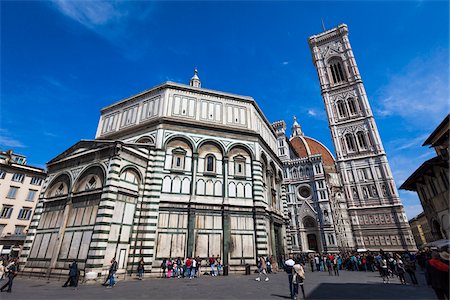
(73, 275)
(437, 275)
(12, 272)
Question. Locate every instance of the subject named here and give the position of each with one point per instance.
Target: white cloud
(412, 210)
(285, 63)
(10, 142)
(91, 13)
(312, 112)
(111, 20)
(420, 91)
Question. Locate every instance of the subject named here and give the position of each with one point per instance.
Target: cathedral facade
(183, 171)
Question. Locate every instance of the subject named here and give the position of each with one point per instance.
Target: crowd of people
(434, 264)
(191, 267)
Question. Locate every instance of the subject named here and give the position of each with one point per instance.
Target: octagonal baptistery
(175, 171)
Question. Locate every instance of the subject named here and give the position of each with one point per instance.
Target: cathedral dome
(306, 146)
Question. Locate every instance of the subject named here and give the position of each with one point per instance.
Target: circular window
(304, 191)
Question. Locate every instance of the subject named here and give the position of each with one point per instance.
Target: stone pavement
(318, 285)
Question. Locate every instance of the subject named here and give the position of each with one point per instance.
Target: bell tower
(375, 210)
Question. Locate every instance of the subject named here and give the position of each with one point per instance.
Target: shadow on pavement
(368, 291)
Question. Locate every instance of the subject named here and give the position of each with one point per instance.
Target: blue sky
(62, 61)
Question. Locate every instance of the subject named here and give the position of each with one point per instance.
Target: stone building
(316, 204)
(175, 171)
(181, 170)
(421, 230)
(376, 213)
(431, 182)
(20, 186)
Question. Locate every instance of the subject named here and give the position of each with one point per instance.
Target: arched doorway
(312, 242)
(436, 228)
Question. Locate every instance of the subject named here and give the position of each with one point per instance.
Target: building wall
(421, 230)
(20, 186)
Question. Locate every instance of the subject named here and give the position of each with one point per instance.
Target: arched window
(342, 110)
(361, 140)
(294, 173)
(352, 106)
(210, 162)
(178, 157)
(239, 165)
(336, 71)
(349, 139)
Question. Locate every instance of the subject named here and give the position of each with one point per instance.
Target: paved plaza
(318, 285)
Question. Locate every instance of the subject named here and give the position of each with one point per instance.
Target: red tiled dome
(305, 146)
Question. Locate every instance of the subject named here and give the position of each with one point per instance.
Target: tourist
(400, 270)
(188, 271)
(298, 278)
(269, 266)
(384, 270)
(273, 264)
(218, 264)
(262, 269)
(212, 265)
(2, 270)
(140, 268)
(329, 265)
(163, 268)
(199, 265)
(11, 273)
(194, 268)
(73, 274)
(410, 267)
(317, 262)
(112, 272)
(288, 267)
(437, 274)
(336, 265)
(169, 265)
(311, 262)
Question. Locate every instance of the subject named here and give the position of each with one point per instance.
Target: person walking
(410, 268)
(11, 270)
(112, 273)
(384, 270)
(218, 264)
(289, 267)
(311, 262)
(194, 268)
(400, 270)
(163, 268)
(2, 270)
(140, 268)
(212, 265)
(335, 265)
(317, 262)
(436, 273)
(73, 274)
(298, 279)
(262, 269)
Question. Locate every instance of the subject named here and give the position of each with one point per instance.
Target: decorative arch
(145, 140)
(131, 169)
(210, 141)
(183, 138)
(92, 177)
(64, 179)
(244, 147)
